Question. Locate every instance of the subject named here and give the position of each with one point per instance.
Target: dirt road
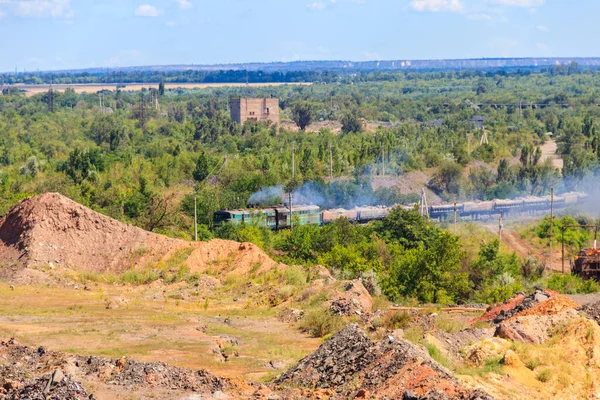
(514, 242)
(549, 151)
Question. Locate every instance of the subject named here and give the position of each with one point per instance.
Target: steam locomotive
(277, 218)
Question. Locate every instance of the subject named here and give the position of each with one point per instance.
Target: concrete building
(243, 110)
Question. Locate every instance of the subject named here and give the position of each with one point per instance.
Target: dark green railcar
(260, 217)
(273, 218)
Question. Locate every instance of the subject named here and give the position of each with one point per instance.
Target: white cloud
(480, 17)
(185, 4)
(542, 28)
(321, 5)
(519, 3)
(437, 5)
(146, 10)
(316, 6)
(43, 8)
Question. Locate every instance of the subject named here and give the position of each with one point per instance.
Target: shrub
(397, 320)
(448, 324)
(294, 276)
(532, 364)
(319, 323)
(544, 376)
(572, 284)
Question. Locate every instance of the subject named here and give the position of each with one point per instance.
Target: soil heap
(51, 232)
(353, 366)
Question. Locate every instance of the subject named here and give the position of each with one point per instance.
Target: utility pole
(424, 207)
(562, 232)
(469, 143)
(291, 214)
(551, 224)
(455, 218)
(195, 217)
(330, 162)
(382, 160)
(293, 161)
(500, 227)
(142, 111)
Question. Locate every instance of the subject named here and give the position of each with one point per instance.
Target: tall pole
(293, 162)
(563, 249)
(195, 218)
(291, 215)
(500, 226)
(330, 162)
(454, 218)
(383, 160)
(551, 224)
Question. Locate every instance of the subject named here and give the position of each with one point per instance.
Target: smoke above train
(282, 217)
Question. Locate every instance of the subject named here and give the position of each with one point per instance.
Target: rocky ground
(354, 366)
(242, 320)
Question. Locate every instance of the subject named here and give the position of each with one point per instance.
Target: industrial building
(261, 110)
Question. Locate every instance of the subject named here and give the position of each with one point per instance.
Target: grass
(544, 375)
(320, 323)
(491, 366)
(449, 325)
(295, 276)
(414, 334)
(437, 355)
(397, 320)
(532, 364)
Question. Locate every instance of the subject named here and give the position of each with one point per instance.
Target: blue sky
(58, 34)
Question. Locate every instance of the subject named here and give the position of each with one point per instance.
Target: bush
(449, 325)
(320, 323)
(544, 376)
(397, 320)
(294, 276)
(572, 284)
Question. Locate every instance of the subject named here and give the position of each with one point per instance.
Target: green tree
(201, 171)
(351, 123)
(302, 114)
(161, 88)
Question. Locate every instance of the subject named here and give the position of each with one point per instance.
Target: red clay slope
(50, 231)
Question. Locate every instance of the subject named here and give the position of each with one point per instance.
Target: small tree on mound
(302, 114)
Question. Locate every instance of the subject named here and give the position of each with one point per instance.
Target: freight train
(277, 218)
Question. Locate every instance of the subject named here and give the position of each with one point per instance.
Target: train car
(508, 206)
(442, 211)
(328, 216)
(260, 216)
(534, 204)
(478, 208)
(306, 215)
(365, 214)
(574, 198)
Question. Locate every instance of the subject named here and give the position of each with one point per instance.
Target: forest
(121, 154)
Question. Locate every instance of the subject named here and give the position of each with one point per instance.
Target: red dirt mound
(53, 231)
(220, 256)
